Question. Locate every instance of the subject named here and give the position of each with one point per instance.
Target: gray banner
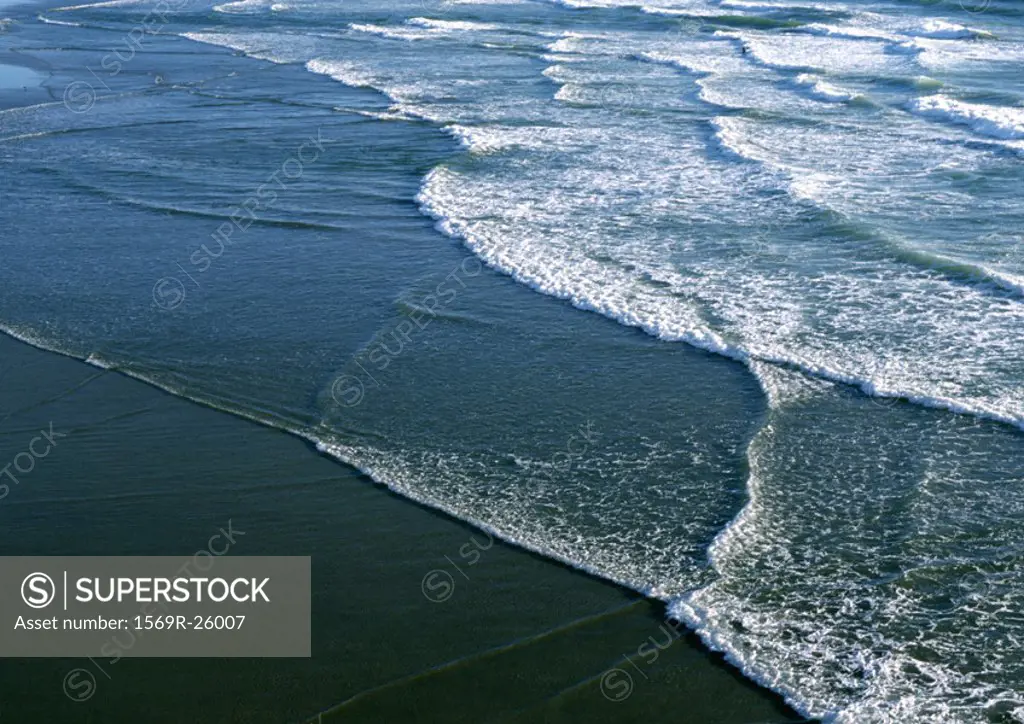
(110, 607)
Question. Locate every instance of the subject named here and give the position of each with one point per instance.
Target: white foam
(395, 33)
(19, 110)
(394, 481)
(242, 7)
(932, 41)
(483, 140)
(453, 25)
(823, 91)
(395, 114)
(684, 328)
(271, 47)
(574, 46)
(777, 6)
(424, 28)
(962, 55)
(572, 229)
(444, 193)
(942, 29)
(677, 12)
(799, 51)
(705, 57)
(584, 4)
(409, 101)
(819, 594)
(677, 61)
(851, 32)
(349, 73)
(104, 4)
(25, 136)
(994, 121)
(908, 47)
(58, 22)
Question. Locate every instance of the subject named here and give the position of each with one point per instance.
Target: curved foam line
(701, 339)
(104, 4)
(65, 23)
(698, 339)
(994, 121)
(822, 91)
(706, 339)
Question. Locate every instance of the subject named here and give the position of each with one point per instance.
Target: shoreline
(732, 699)
(23, 77)
(14, 76)
(644, 617)
(378, 235)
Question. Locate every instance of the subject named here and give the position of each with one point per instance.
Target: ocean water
(722, 300)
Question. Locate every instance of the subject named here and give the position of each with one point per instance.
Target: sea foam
(994, 121)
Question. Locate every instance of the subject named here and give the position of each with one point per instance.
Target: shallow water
(823, 197)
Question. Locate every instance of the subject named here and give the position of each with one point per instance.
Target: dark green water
(516, 636)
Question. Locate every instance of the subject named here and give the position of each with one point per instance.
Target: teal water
(796, 416)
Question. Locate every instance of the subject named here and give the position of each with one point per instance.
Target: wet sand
(416, 616)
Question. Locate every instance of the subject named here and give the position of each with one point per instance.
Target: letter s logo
(38, 590)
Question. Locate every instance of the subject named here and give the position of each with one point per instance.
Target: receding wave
(435, 202)
(696, 334)
(589, 193)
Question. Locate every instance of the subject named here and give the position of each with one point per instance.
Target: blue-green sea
(722, 300)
